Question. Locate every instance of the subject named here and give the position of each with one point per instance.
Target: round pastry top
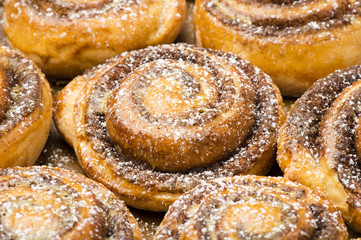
(252, 207)
(331, 103)
(74, 9)
(203, 108)
(220, 93)
(53, 203)
(284, 17)
(21, 88)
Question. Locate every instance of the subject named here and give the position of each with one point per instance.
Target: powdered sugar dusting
(261, 139)
(90, 9)
(322, 128)
(188, 106)
(342, 153)
(25, 88)
(82, 34)
(44, 202)
(303, 125)
(252, 208)
(285, 18)
(57, 153)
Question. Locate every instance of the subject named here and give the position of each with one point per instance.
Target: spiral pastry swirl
(252, 207)
(67, 37)
(295, 42)
(151, 124)
(53, 203)
(25, 110)
(319, 144)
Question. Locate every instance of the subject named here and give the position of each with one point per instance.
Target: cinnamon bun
(25, 110)
(53, 203)
(295, 42)
(153, 123)
(319, 144)
(64, 38)
(252, 207)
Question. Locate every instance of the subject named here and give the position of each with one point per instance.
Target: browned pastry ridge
(295, 42)
(64, 38)
(319, 144)
(53, 203)
(153, 123)
(25, 110)
(252, 207)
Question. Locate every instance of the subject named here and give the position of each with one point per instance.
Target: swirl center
(248, 215)
(168, 91)
(25, 216)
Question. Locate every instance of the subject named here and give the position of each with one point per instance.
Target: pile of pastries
(189, 126)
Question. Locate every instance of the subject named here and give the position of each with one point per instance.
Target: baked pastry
(295, 42)
(53, 203)
(153, 123)
(319, 144)
(64, 38)
(25, 110)
(252, 207)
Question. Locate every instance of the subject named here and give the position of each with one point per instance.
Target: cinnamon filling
(139, 173)
(219, 112)
(247, 208)
(310, 117)
(79, 8)
(43, 203)
(4, 95)
(347, 161)
(23, 90)
(283, 18)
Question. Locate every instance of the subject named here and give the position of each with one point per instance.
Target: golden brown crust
(137, 182)
(252, 207)
(67, 37)
(182, 109)
(317, 144)
(295, 42)
(63, 109)
(26, 118)
(45, 202)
